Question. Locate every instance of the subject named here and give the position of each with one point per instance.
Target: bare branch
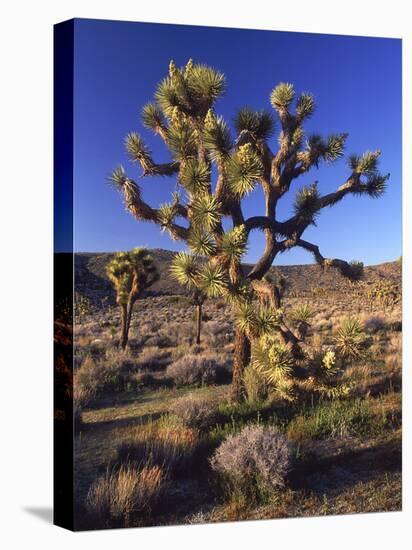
(262, 222)
(144, 212)
(349, 270)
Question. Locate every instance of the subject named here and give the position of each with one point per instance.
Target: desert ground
(149, 420)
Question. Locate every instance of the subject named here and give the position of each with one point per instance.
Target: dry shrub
(115, 373)
(321, 324)
(118, 497)
(218, 333)
(146, 379)
(374, 323)
(160, 340)
(180, 331)
(85, 383)
(172, 448)
(196, 412)
(255, 462)
(393, 356)
(185, 349)
(360, 375)
(153, 358)
(195, 370)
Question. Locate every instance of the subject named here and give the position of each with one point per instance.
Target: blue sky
(357, 85)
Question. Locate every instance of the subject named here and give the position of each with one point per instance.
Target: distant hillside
(91, 279)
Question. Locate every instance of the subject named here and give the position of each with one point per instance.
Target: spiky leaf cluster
(207, 277)
(245, 316)
(185, 269)
(353, 271)
(194, 175)
(205, 84)
(205, 211)
(366, 164)
(201, 242)
(305, 106)
(152, 117)
(350, 339)
(282, 96)
(193, 89)
(181, 140)
(297, 138)
(268, 319)
(117, 177)
(237, 293)
(216, 137)
(376, 185)
(233, 244)
(335, 145)
(275, 362)
(329, 364)
(167, 97)
(306, 203)
(277, 279)
(329, 149)
(212, 280)
(260, 124)
(244, 169)
(166, 214)
(302, 314)
(257, 321)
(371, 181)
(326, 378)
(136, 148)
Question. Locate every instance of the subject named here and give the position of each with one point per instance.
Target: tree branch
(262, 222)
(150, 168)
(346, 269)
(144, 212)
(298, 223)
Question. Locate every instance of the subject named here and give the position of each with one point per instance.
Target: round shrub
(374, 323)
(196, 412)
(254, 462)
(98, 377)
(192, 370)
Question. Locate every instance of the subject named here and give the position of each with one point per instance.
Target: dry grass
(162, 444)
(115, 499)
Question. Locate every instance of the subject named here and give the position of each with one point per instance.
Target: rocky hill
(92, 282)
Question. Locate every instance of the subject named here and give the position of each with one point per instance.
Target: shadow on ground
(43, 513)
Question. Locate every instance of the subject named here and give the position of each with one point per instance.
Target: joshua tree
(131, 274)
(214, 173)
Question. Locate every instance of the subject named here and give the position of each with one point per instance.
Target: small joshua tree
(131, 274)
(183, 116)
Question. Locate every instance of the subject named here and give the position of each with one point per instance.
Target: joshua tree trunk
(241, 360)
(130, 305)
(198, 322)
(125, 327)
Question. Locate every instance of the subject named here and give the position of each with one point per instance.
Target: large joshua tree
(215, 171)
(131, 274)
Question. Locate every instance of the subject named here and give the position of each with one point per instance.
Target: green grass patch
(338, 419)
